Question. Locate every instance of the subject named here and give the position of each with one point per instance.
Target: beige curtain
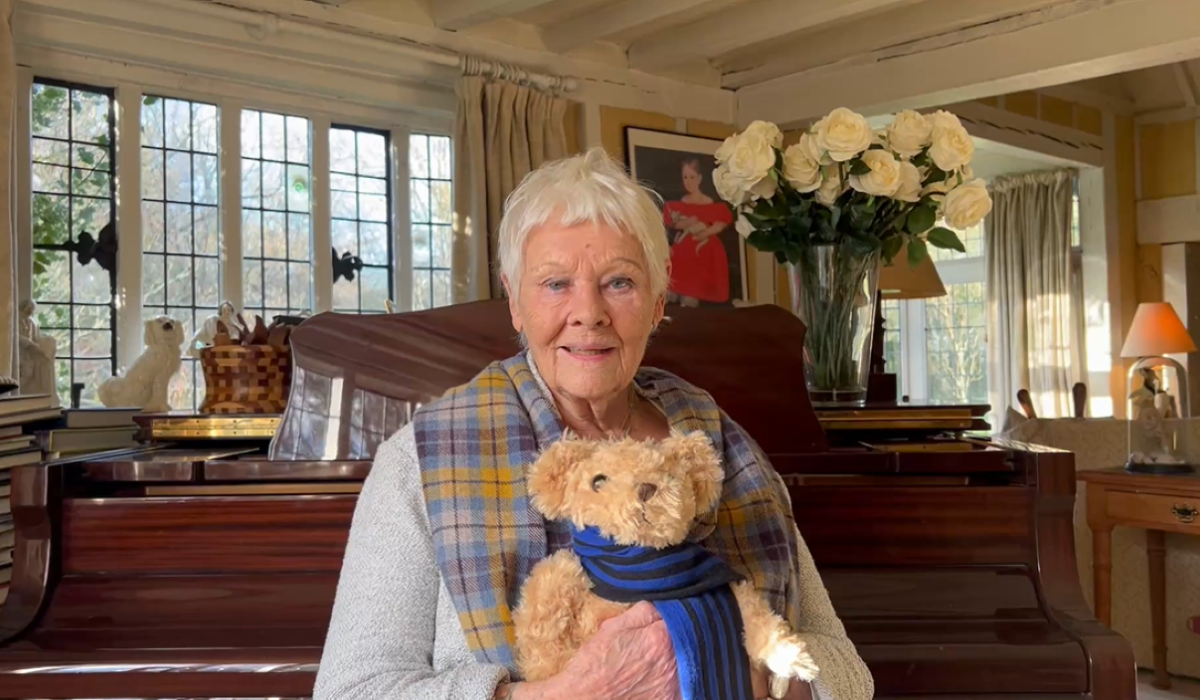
(1033, 337)
(8, 277)
(502, 131)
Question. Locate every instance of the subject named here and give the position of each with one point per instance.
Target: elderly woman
(444, 534)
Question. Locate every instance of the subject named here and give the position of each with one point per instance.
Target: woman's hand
(629, 658)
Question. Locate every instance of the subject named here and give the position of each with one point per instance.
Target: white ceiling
(1156, 89)
(725, 43)
(993, 159)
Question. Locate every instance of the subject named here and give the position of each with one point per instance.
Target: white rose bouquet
(844, 183)
(836, 203)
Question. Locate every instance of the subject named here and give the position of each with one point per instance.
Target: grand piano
(207, 568)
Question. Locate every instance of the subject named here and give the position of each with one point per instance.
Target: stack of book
(81, 430)
(18, 447)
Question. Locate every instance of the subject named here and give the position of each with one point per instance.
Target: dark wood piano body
(178, 574)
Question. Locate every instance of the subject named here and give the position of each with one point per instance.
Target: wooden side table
(1157, 504)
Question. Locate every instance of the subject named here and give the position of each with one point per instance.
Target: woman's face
(691, 179)
(586, 308)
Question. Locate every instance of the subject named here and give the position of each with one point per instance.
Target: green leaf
(945, 238)
(921, 219)
(921, 159)
(916, 251)
(936, 175)
(102, 139)
(835, 215)
(858, 167)
(766, 241)
(890, 246)
(149, 100)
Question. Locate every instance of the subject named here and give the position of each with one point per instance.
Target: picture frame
(701, 274)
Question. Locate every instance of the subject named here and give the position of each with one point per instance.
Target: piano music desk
(1156, 503)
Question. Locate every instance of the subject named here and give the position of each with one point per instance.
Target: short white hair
(589, 188)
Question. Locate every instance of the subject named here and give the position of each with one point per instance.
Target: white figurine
(208, 330)
(145, 385)
(35, 356)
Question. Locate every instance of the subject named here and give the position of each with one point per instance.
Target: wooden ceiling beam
(1062, 44)
(745, 25)
(460, 14)
(895, 27)
(614, 18)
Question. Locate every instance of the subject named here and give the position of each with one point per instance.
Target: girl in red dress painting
(699, 265)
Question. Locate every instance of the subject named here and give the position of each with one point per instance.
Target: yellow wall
(1168, 159)
(613, 121)
(1051, 110)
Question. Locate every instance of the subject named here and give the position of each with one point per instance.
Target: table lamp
(1154, 444)
(897, 281)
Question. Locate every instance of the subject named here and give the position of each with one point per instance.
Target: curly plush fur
(637, 493)
(145, 385)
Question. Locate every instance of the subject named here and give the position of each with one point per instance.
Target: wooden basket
(246, 378)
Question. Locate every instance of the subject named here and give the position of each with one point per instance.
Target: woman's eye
(556, 285)
(620, 283)
(598, 481)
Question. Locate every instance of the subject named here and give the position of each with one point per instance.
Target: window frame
(26, 206)
(391, 193)
(130, 84)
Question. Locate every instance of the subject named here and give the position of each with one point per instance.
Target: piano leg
(1156, 555)
(1102, 574)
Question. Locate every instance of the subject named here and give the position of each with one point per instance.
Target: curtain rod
(262, 24)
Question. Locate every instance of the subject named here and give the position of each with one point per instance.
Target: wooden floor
(1181, 689)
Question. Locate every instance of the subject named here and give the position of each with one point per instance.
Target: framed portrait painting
(708, 257)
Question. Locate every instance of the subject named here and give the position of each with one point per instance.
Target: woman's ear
(550, 476)
(512, 303)
(694, 452)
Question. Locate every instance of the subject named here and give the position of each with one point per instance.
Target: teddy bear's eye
(598, 481)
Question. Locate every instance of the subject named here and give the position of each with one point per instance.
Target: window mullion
(129, 223)
(321, 221)
(402, 237)
(918, 361)
(23, 180)
(231, 202)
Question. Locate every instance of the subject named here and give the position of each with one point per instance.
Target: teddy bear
(145, 385)
(631, 505)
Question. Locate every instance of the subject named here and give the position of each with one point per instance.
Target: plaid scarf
(473, 445)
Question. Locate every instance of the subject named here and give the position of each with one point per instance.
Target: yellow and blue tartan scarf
(474, 444)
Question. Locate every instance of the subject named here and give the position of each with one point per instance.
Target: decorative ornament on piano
(1158, 439)
(35, 355)
(838, 203)
(247, 368)
(146, 384)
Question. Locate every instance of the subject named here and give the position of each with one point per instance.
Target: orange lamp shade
(1156, 330)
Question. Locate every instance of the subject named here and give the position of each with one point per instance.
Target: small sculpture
(145, 385)
(35, 355)
(208, 330)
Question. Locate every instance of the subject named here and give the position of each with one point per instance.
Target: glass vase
(833, 292)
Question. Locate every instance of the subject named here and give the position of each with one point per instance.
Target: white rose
(808, 142)
(726, 149)
(910, 183)
(728, 186)
(751, 161)
(844, 134)
(952, 146)
(831, 187)
(803, 173)
(764, 188)
(884, 178)
(743, 225)
(966, 205)
(766, 131)
(908, 133)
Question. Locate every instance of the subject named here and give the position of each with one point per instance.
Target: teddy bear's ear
(549, 477)
(694, 451)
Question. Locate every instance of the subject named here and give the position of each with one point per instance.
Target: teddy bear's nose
(646, 492)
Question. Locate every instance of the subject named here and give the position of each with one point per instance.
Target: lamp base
(1158, 468)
